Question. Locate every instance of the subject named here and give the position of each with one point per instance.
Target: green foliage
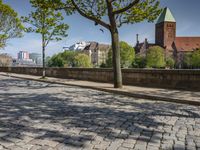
(109, 63)
(46, 21)
(196, 59)
(10, 24)
(65, 59)
(127, 54)
(82, 61)
(170, 63)
(112, 14)
(187, 60)
(70, 59)
(125, 11)
(56, 61)
(155, 57)
(140, 62)
(103, 65)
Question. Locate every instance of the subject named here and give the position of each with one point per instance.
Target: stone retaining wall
(176, 79)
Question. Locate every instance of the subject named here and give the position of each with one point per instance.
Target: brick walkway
(35, 115)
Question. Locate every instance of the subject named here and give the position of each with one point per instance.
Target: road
(42, 116)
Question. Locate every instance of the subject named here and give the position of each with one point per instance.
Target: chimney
(146, 44)
(146, 41)
(137, 38)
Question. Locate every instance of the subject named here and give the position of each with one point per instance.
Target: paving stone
(128, 145)
(37, 116)
(140, 145)
(123, 148)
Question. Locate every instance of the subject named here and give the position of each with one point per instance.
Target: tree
(170, 63)
(127, 55)
(68, 58)
(140, 62)
(46, 22)
(56, 61)
(196, 59)
(109, 61)
(112, 14)
(82, 60)
(155, 57)
(65, 59)
(187, 60)
(10, 24)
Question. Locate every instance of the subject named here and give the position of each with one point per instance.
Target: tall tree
(47, 22)
(10, 24)
(127, 55)
(82, 60)
(155, 57)
(112, 14)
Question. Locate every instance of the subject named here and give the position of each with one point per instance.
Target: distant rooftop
(166, 16)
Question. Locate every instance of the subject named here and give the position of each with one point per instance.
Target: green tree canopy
(155, 57)
(127, 55)
(10, 24)
(187, 60)
(70, 59)
(112, 14)
(140, 62)
(170, 63)
(47, 22)
(196, 59)
(82, 61)
(56, 61)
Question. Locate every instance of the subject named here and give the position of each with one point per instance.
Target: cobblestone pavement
(41, 116)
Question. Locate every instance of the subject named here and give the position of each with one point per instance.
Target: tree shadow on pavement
(76, 117)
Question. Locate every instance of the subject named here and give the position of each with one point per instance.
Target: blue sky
(186, 13)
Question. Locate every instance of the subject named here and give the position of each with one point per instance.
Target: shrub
(155, 57)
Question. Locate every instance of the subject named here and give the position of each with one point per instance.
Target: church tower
(166, 29)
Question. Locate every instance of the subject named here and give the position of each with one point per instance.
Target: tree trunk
(116, 59)
(43, 58)
(117, 73)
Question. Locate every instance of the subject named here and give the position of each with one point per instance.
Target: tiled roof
(166, 16)
(187, 43)
(91, 46)
(95, 46)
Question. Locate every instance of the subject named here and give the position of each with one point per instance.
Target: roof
(91, 46)
(141, 48)
(97, 46)
(166, 16)
(187, 44)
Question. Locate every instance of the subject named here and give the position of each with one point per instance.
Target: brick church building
(165, 36)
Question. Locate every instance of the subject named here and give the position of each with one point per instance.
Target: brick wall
(176, 79)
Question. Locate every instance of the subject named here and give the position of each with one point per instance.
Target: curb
(125, 93)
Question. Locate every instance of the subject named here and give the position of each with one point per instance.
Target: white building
(79, 46)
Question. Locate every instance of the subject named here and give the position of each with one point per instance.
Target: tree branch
(127, 7)
(90, 17)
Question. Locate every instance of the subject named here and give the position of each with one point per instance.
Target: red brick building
(165, 36)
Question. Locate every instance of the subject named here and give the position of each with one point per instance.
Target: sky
(186, 13)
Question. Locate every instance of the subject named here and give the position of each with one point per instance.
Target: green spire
(166, 16)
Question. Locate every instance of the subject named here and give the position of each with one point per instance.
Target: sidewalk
(169, 95)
